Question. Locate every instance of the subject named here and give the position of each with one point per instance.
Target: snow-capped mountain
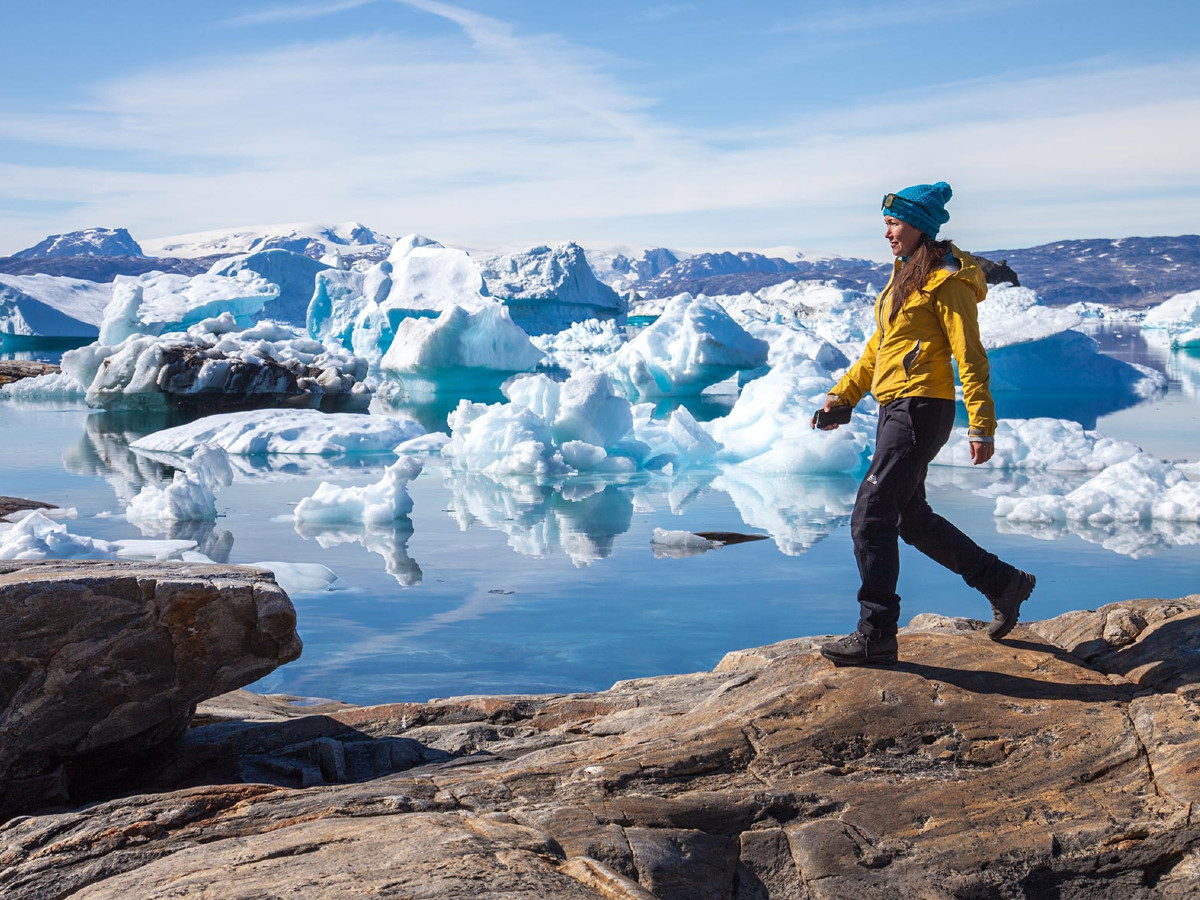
(313, 239)
(89, 242)
(623, 268)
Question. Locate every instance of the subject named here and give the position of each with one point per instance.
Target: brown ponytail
(915, 271)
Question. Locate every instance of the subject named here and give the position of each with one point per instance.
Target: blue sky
(493, 124)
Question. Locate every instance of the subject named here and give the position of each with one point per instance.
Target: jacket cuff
(981, 439)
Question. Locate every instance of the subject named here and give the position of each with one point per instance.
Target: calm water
(521, 589)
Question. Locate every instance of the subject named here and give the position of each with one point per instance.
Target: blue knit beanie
(922, 205)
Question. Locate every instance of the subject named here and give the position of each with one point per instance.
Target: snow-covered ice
(458, 350)
(692, 345)
(50, 306)
(1056, 445)
(675, 544)
(38, 536)
(298, 578)
(1179, 318)
(374, 504)
(293, 273)
(173, 302)
(218, 358)
(293, 431)
(191, 494)
(547, 289)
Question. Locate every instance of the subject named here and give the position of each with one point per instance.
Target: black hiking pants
(891, 504)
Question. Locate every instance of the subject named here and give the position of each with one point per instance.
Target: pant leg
(940, 539)
(904, 445)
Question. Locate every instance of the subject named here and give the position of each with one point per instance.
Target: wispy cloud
(488, 135)
(887, 16)
(296, 13)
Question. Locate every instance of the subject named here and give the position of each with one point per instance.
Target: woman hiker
(926, 314)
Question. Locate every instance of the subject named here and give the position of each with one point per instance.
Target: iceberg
(36, 307)
(1140, 489)
(294, 274)
(768, 428)
(300, 431)
(38, 536)
(216, 363)
(1179, 318)
(694, 344)
(419, 279)
(374, 504)
(1056, 445)
(674, 544)
(547, 290)
(581, 344)
(191, 495)
(459, 350)
(554, 430)
(172, 302)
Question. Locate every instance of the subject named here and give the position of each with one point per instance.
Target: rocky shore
(1063, 763)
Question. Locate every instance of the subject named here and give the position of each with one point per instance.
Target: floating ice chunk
(791, 343)
(374, 504)
(1069, 361)
(768, 428)
(1058, 445)
(680, 544)
(459, 348)
(191, 495)
(37, 536)
(294, 274)
(581, 343)
(583, 408)
(677, 442)
(219, 360)
(1140, 489)
(1179, 317)
(300, 431)
(1013, 315)
(503, 438)
(425, 443)
(172, 302)
(51, 306)
(299, 578)
(121, 315)
(692, 345)
(57, 387)
(187, 498)
(546, 290)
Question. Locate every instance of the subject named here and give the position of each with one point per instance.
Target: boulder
(15, 369)
(103, 662)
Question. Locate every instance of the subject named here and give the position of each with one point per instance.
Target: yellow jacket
(910, 356)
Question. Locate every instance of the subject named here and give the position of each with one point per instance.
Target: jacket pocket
(910, 358)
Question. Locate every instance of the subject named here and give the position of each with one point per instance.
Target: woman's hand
(830, 403)
(981, 451)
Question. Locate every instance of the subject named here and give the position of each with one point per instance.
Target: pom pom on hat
(922, 205)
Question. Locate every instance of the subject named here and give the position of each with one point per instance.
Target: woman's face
(902, 237)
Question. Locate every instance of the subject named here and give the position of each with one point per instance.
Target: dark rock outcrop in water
(103, 662)
(104, 268)
(998, 272)
(1061, 763)
(15, 369)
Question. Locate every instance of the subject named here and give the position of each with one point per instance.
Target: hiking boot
(859, 650)
(1006, 607)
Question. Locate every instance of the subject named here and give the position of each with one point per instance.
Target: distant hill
(89, 242)
(103, 268)
(1129, 272)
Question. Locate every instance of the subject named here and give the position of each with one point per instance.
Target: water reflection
(389, 542)
(103, 451)
(216, 544)
(1132, 539)
(797, 512)
(580, 517)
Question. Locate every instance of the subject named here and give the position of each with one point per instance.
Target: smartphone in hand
(839, 415)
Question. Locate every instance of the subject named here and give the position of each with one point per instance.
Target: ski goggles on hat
(890, 199)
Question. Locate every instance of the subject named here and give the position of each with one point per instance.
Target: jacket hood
(969, 273)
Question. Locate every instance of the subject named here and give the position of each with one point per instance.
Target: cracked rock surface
(1061, 763)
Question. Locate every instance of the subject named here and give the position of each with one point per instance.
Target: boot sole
(1003, 631)
(862, 661)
